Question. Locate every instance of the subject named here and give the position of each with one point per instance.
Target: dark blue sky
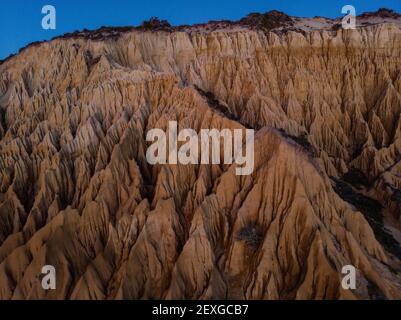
(20, 20)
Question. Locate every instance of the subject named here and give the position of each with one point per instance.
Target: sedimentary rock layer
(77, 192)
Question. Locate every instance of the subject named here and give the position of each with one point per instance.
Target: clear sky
(20, 20)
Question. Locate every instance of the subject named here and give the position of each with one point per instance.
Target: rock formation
(77, 192)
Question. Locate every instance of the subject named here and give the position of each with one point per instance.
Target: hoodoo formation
(77, 192)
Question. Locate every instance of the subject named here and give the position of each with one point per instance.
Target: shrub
(252, 234)
(155, 24)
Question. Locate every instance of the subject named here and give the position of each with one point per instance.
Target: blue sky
(20, 20)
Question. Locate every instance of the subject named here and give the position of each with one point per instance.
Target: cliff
(77, 192)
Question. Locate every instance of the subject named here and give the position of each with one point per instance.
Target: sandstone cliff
(77, 192)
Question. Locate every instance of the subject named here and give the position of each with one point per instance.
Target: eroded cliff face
(77, 192)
